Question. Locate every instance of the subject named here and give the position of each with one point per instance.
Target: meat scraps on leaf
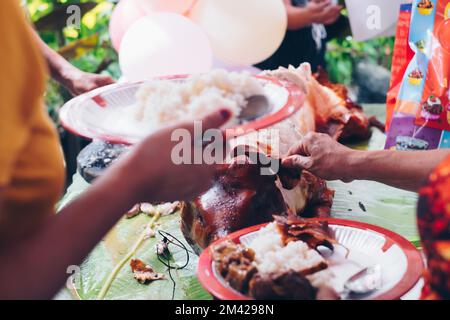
(144, 273)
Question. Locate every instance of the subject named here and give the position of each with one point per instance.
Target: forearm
(407, 170)
(58, 66)
(72, 78)
(35, 267)
(298, 18)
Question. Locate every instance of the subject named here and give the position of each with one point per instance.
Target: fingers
(336, 11)
(297, 162)
(299, 149)
(321, 6)
(327, 11)
(104, 80)
(89, 82)
(216, 119)
(323, 2)
(198, 129)
(303, 148)
(332, 20)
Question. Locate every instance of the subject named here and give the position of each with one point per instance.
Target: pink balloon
(175, 6)
(124, 15)
(164, 44)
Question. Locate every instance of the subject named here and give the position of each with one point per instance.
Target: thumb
(104, 80)
(324, 5)
(297, 162)
(216, 119)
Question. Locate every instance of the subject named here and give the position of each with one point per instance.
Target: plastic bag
(419, 117)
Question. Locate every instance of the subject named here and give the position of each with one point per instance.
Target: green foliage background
(344, 53)
(49, 17)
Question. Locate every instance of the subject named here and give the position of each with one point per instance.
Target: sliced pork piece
(286, 286)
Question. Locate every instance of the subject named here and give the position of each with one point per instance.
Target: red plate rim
(293, 104)
(415, 264)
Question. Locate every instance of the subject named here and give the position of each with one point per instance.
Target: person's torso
(298, 46)
(37, 181)
(37, 174)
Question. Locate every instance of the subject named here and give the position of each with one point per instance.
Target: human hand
(322, 156)
(79, 82)
(155, 176)
(323, 11)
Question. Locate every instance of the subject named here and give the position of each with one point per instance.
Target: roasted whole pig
(239, 191)
(241, 197)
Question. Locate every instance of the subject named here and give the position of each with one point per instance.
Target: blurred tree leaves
(57, 18)
(342, 54)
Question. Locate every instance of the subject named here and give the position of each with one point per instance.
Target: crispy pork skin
(240, 197)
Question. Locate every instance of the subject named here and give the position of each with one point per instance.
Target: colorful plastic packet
(420, 118)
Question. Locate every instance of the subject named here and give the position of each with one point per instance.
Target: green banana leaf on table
(106, 273)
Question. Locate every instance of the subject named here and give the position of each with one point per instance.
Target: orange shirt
(31, 162)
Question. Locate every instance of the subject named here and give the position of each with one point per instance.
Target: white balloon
(242, 32)
(164, 44)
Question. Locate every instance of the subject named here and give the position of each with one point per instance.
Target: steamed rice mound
(162, 103)
(272, 257)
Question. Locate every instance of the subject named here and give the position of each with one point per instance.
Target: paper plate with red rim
(103, 114)
(368, 245)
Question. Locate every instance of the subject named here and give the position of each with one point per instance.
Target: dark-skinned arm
(72, 78)
(35, 267)
(407, 170)
(330, 160)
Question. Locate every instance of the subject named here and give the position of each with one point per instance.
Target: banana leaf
(109, 262)
(377, 204)
(360, 200)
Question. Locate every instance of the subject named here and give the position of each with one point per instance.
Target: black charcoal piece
(97, 157)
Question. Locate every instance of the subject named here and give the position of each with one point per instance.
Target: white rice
(162, 103)
(273, 257)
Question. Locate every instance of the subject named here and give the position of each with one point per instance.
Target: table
(384, 206)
